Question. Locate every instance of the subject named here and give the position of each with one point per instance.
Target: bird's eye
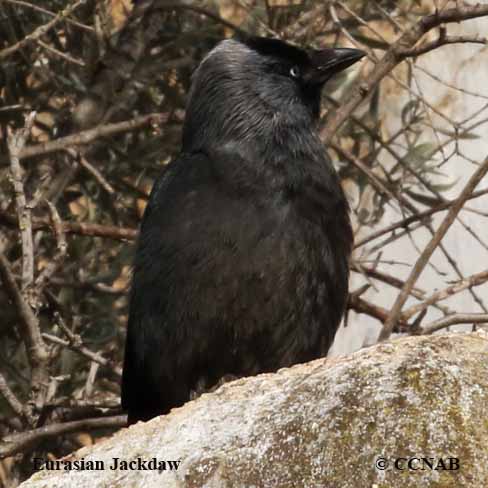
(295, 72)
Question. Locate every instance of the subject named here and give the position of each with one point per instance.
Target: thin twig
(77, 346)
(10, 397)
(26, 441)
(360, 305)
(62, 248)
(430, 248)
(41, 30)
(51, 14)
(375, 180)
(16, 141)
(461, 285)
(97, 287)
(414, 218)
(442, 40)
(92, 170)
(62, 55)
(37, 353)
(80, 228)
(363, 88)
(458, 318)
(201, 11)
(87, 136)
(374, 273)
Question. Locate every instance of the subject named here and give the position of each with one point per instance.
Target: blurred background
(92, 99)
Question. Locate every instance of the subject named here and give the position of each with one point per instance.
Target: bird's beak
(328, 62)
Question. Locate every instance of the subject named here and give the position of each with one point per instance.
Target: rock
(323, 424)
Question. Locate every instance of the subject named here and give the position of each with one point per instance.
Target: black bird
(242, 259)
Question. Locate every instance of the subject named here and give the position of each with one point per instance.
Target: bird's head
(246, 88)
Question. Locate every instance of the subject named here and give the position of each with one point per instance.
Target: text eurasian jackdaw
(242, 259)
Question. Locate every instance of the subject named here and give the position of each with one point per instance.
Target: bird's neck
(276, 148)
(252, 124)
(288, 158)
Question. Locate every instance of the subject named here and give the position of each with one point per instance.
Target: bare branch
(51, 14)
(93, 171)
(461, 285)
(77, 346)
(458, 318)
(58, 258)
(87, 136)
(394, 56)
(442, 40)
(81, 228)
(31, 335)
(375, 180)
(16, 142)
(201, 11)
(57, 52)
(430, 248)
(414, 218)
(41, 30)
(360, 305)
(26, 441)
(372, 272)
(10, 397)
(81, 284)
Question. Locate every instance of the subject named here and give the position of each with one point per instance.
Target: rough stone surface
(321, 424)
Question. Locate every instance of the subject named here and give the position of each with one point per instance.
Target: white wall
(464, 66)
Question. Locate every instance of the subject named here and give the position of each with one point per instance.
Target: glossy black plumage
(242, 260)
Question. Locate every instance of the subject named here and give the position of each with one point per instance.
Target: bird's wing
(204, 252)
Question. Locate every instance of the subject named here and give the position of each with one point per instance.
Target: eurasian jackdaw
(242, 260)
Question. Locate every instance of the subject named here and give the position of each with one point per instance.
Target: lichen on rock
(323, 424)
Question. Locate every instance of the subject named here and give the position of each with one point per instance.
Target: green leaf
(460, 135)
(411, 112)
(420, 154)
(441, 187)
